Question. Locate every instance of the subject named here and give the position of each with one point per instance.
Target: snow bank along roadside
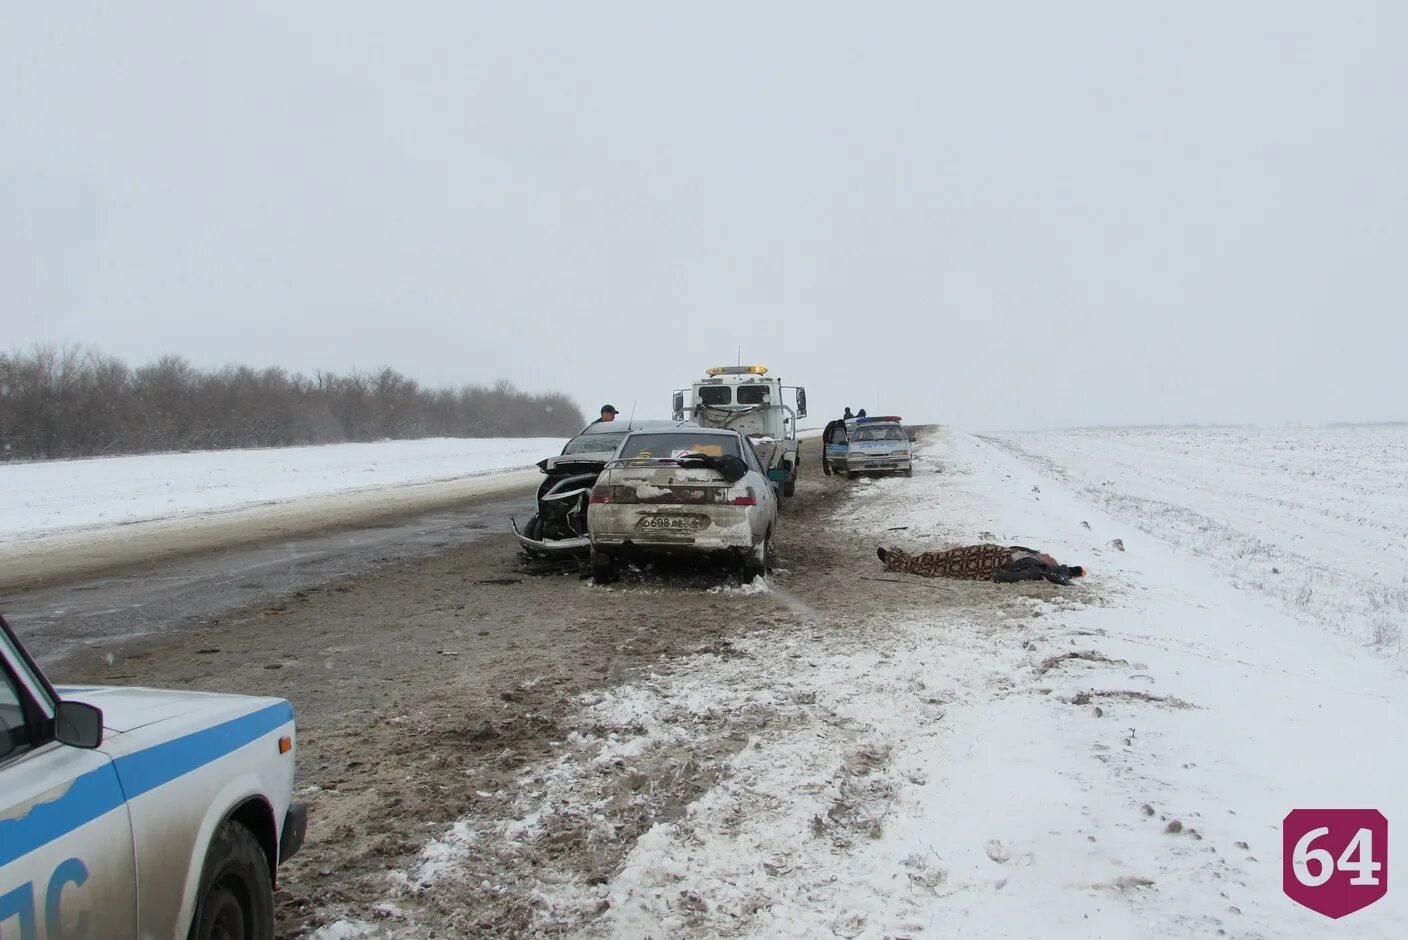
(54, 497)
(969, 760)
(253, 496)
(81, 554)
(1314, 518)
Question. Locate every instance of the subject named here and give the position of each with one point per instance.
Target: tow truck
(746, 399)
(129, 813)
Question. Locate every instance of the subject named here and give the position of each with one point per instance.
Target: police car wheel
(236, 900)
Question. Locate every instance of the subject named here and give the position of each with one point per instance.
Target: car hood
(575, 463)
(127, 709)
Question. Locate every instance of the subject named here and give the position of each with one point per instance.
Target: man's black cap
(606, 408)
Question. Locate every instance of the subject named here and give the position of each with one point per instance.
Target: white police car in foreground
(137, 813)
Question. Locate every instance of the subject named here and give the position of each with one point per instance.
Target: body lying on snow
(1002, 563)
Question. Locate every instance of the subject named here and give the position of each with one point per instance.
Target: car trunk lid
(665, 484)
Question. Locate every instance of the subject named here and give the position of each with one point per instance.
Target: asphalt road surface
(170, 595)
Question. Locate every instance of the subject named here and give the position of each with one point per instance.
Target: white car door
(66, 862)
(774, 506)
(767, 490)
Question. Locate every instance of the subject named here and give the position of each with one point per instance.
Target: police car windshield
(675, 443)
(595, 443)
(880, 432)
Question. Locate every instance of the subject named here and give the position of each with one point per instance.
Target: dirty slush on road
(436, 697)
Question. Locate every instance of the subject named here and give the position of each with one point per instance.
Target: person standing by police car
(826, 438)
(608, 414)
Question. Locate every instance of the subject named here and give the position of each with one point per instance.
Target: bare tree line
(74, 402)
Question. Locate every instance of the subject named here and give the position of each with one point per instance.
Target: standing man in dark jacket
(826, 435)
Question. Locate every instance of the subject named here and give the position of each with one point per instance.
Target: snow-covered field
(1314, 518)
(51, 497)
(1112, 759)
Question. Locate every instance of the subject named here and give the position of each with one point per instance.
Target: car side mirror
(79, 724)
(679, 406)
(777, 474)
(801, 403)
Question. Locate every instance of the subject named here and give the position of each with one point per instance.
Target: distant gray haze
(992, 214)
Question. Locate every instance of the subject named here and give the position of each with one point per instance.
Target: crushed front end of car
(559, 527)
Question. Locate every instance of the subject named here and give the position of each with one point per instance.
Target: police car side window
(15, 734)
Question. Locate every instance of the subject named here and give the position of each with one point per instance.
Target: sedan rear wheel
(758, 561)
(603, 567)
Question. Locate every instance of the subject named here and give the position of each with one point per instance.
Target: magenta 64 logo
(1334, 861)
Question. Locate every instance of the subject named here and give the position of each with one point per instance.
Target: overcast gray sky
(990, 214)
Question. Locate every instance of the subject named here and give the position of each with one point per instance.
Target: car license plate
(670, 524)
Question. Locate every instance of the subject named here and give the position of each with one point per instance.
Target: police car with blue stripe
(140, 813)
(869, 445)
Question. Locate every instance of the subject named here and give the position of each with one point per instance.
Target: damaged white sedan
(686, 491)
(558, 528)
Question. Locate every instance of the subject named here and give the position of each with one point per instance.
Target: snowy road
(843, 752)
(995, 763)
(200, 587)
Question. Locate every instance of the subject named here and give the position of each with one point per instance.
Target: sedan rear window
(647, 446)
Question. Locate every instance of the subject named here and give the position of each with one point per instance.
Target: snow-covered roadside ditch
(46, 498)
(961, 760)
